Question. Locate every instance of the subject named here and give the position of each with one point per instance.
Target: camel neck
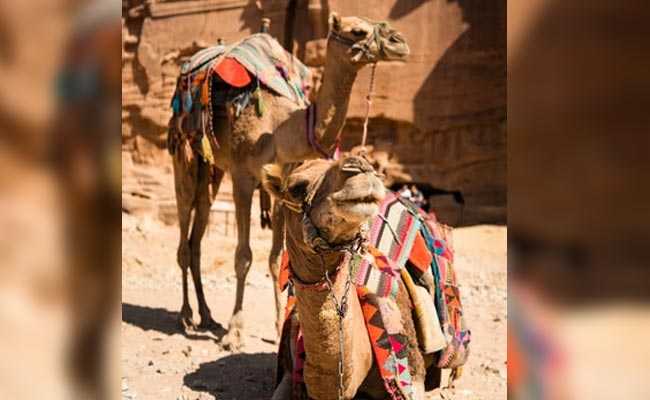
(319, 321)
(290, 140)
(334, 97)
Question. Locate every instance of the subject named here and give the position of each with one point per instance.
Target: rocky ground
(160, 362)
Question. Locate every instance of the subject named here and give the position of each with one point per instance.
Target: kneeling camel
(327, 206)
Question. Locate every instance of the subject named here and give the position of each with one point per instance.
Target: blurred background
(578, 202)
(59, 199)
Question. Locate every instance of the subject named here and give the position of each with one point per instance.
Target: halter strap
(311, 234)
(320, 285)
(342, 39)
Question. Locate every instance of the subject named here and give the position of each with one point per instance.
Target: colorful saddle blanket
(259, 54)
(401, 236)
(276, 68)
(239, 71)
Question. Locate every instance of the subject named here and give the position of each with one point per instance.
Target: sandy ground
(160, 362)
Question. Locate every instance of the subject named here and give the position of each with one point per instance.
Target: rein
(368, 104)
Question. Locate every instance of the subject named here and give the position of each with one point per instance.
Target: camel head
(328, 202)
(361, 41)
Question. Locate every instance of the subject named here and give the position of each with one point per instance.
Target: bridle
(364, 47)
(380, 30)
(311, 234)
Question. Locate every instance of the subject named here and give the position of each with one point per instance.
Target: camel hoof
(232, 340)
(185, 321)
(213, 326)
(186, 324)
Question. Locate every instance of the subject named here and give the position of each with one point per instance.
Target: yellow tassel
(207, 149)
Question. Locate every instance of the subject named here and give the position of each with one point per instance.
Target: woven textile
(277, 69)
(383, 321)
(202, 59)
(263, 57)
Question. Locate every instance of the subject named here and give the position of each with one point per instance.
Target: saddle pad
(276, 68)
(233, 73)
(202, 59)
(394, 229)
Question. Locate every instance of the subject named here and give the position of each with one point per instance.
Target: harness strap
(342, 39)
(322, 284)
(292, 205)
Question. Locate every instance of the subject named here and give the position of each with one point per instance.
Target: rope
(371, 89)
(341, 310)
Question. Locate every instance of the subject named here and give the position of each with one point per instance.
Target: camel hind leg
(185, 185)
(203, 202)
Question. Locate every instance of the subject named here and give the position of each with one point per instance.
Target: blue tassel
(187, 101)
(176, 105)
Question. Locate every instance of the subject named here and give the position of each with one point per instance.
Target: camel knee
(243, 260)
(184, 255)
(195, 251)
(274, 266)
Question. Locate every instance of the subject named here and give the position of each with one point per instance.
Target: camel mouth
(358, 210)
(359, 189)
(371, 198)
(395, 49)
(360, 203)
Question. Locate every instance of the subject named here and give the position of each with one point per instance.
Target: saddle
(234, 74)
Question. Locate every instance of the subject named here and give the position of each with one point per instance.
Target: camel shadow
(166, 322)
(237, 376)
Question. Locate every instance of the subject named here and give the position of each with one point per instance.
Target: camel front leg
(274, 262)
(243, 187)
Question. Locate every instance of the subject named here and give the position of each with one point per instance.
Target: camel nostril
(356, 165)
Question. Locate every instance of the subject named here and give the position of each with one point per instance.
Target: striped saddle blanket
(276, 68)
(260, 55)
(407, 247)
(239, 71)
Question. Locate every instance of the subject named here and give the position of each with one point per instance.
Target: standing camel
(250, 141)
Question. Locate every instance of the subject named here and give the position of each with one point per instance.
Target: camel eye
(359, 32)
(299, 190)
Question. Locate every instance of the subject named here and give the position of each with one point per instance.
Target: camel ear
(272, 179)
(335, 22)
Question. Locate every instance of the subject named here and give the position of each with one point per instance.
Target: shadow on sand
(237, 376)
(166, 322)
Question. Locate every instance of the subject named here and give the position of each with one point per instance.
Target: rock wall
(441, 116)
